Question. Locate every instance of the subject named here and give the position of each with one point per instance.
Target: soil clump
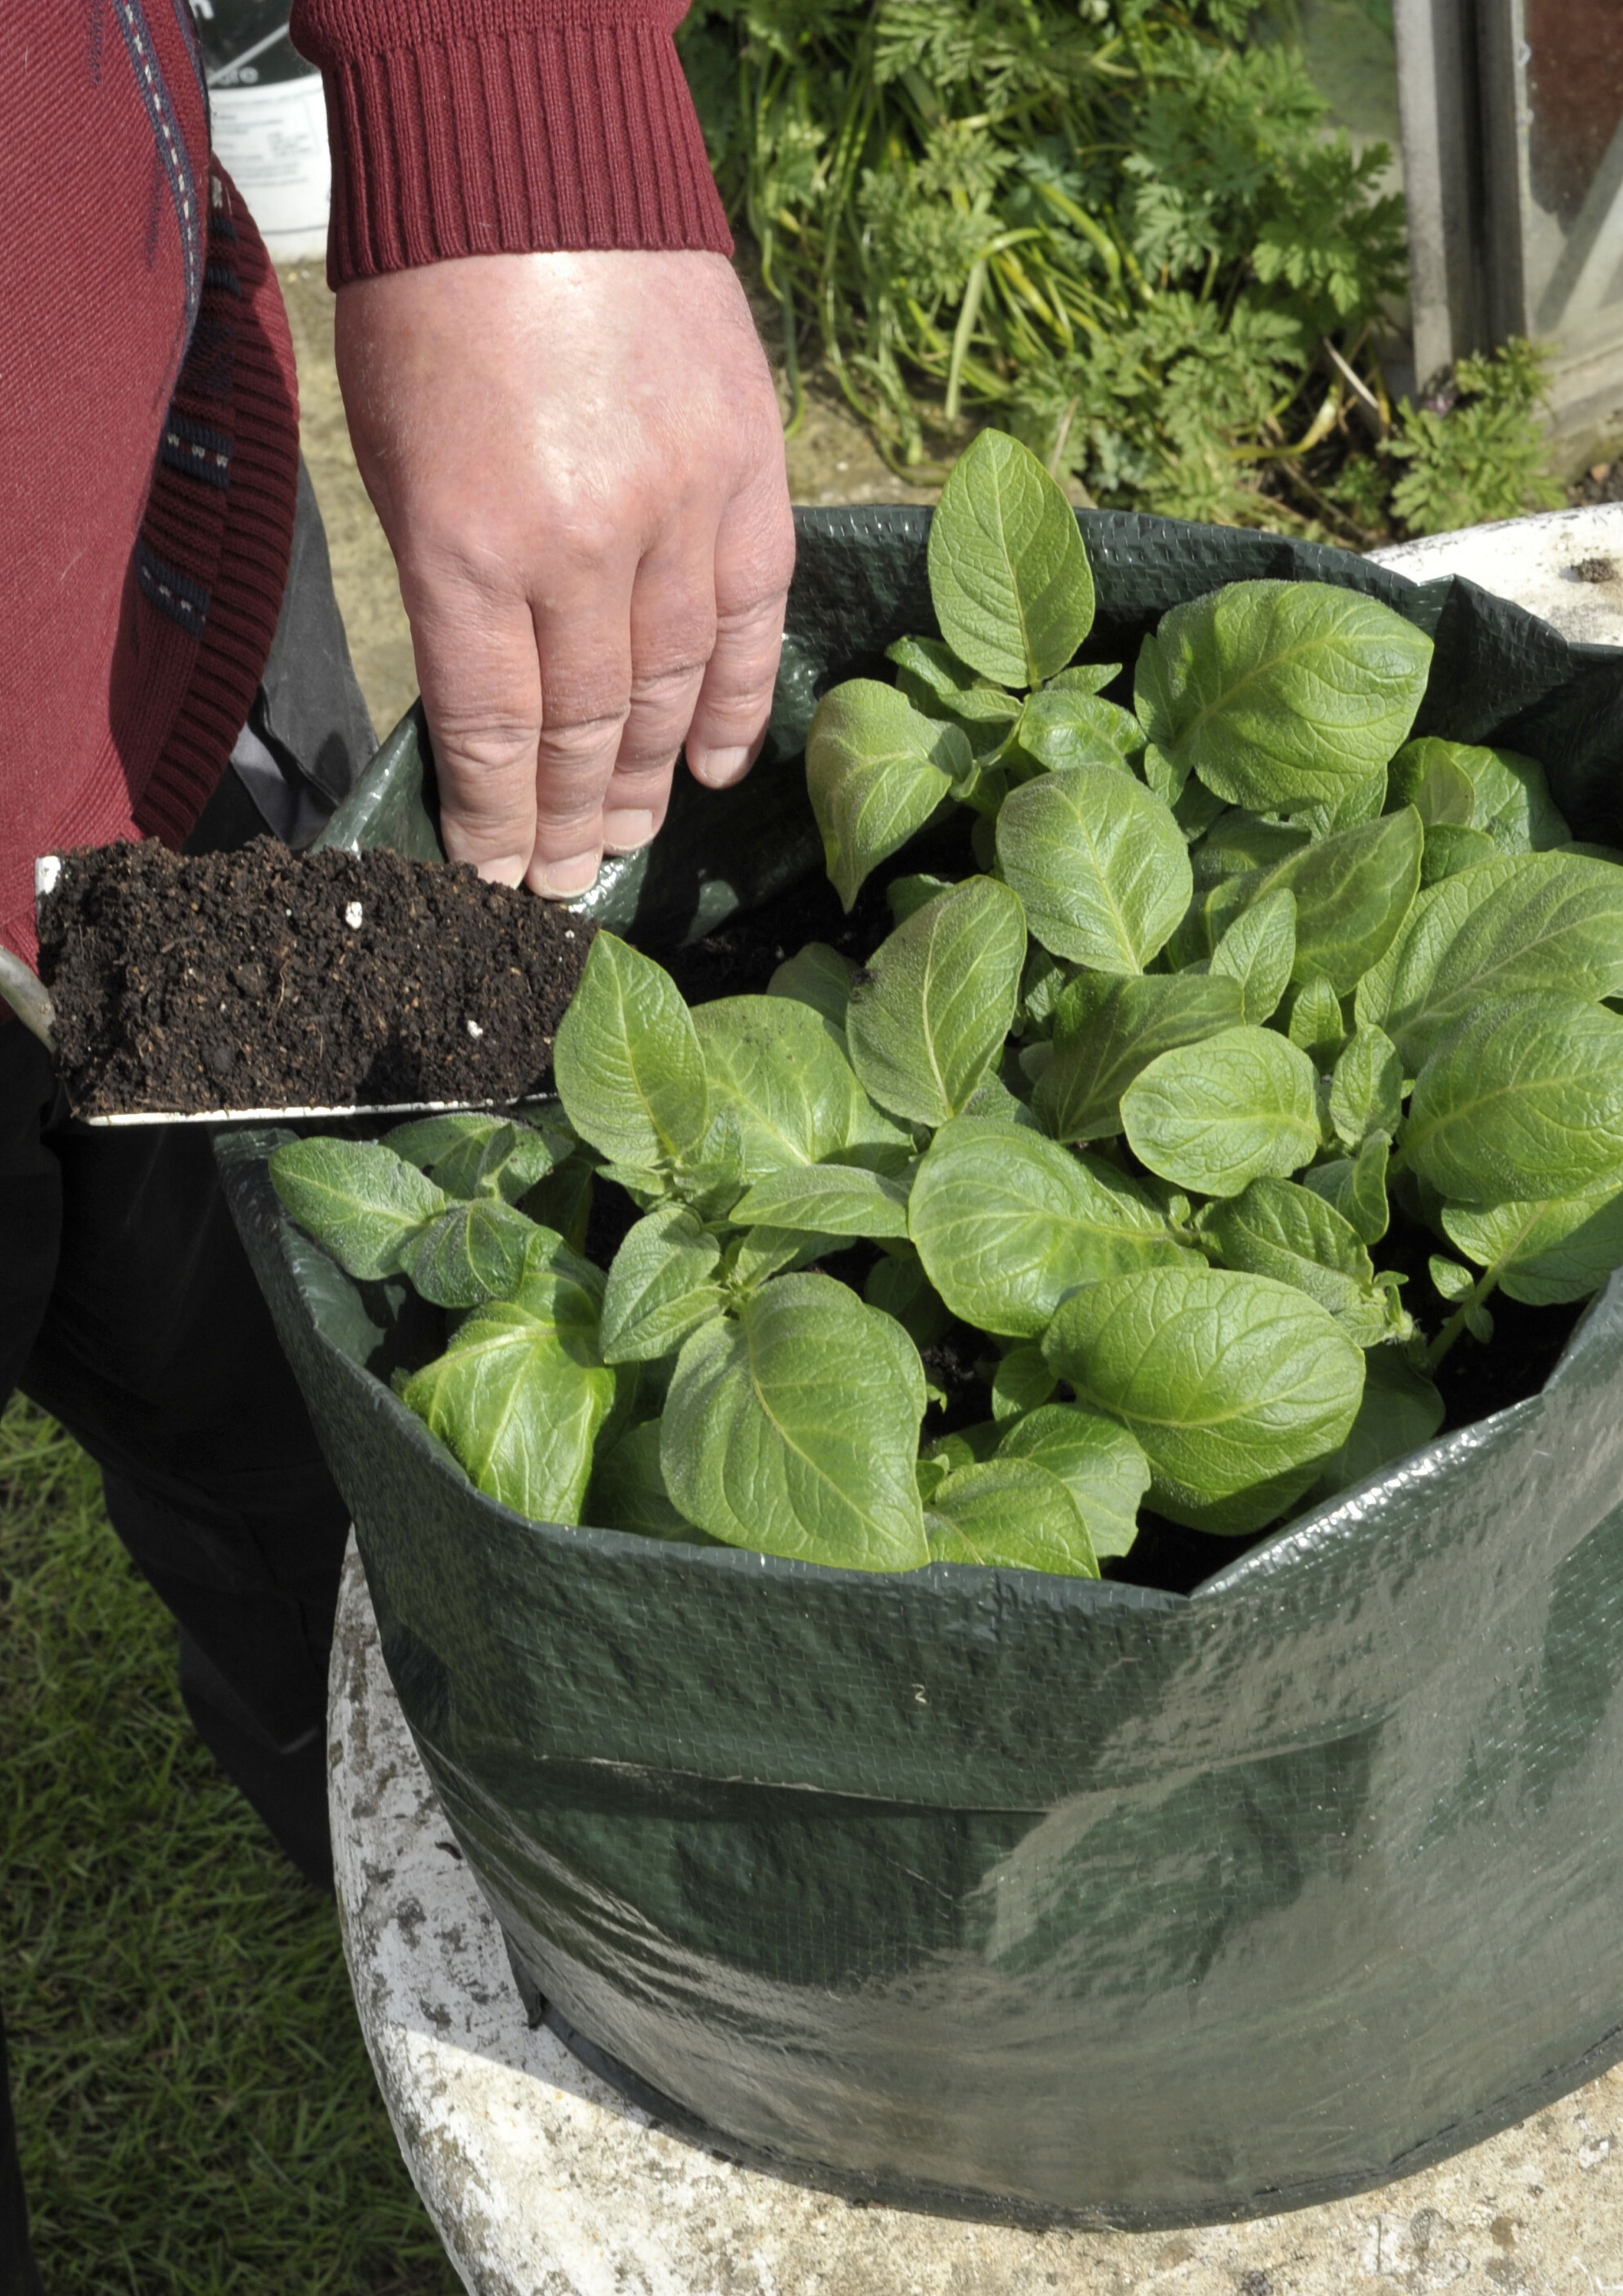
(261, 979)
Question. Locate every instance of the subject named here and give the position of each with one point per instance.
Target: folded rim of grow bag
(1061, 1896)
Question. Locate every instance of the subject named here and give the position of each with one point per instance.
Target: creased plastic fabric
(1022, 1893)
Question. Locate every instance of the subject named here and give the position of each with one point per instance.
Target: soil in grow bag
(262, 978)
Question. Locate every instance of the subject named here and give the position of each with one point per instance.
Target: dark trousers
(128, 1312)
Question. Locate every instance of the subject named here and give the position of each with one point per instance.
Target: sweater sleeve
(488, 127)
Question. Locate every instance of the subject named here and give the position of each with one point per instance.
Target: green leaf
(1516, 807)
(1280, 695)
(1238, 844)
(777, 1074)
(1431, 776)
(904, 897)
(1546, 1252)
(562, 1202)
(993, 1098)
(1288, 1233)
(1479, 1323)
(1353, 892)
(1525, 1098)
(474, 1251)
(965, 1446)
(876, 769)
(1006, 1223)
(1450, 849)
(1393, 990)
(1360, 801)
(644, 1186)
(1040, 984)
(930, 1472)
(1540, 921)
(1058, 728)
(1110, 1030)
(626, 1063)
(1169, 782)
(897, 1285)
(521, 1392)
(751, 1259)
(425, 1139)
(1496, 791)
(793, 1428)
(1316, 1026)
(1232, 1385)
(1216, 1115)
(827, 1200)
(1366, 1090)
(1258, 951)
(1355, 1185)
(1012, 1513)
(628, 1490)
(1452, 1282)
(470, 1153)
(361, 1203)
(819, 976)
(1021, 1381)
(1086, 677)
(661, 1285)
(935, 681)
(1099, 1462)
(1099, 863)
(1008, 569)
(930, 1013)
(1400, 1410)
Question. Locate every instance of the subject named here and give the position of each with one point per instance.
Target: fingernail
(720, 769)
(561, 880)
(623, 833)
(508, 871)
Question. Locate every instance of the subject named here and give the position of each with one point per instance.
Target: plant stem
(1479, 1291)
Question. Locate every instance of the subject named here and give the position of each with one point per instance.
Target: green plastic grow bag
(1009, 1893)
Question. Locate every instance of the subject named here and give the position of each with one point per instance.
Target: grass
(196, 2111)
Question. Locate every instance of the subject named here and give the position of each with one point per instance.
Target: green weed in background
(1121, 228)
(1475, 452)
(197, 2114)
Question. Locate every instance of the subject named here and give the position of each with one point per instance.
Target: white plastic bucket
(269, 122)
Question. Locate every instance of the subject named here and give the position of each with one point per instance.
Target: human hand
(578, 461)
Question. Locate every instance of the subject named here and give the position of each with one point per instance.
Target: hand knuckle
(486, 746)
(586, 535)
(580, 741)
(669, 682)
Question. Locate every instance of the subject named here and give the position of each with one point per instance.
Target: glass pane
(1347, 47)
(1570, 63)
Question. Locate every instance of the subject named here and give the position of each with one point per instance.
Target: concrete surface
(544, 2182)
(1566, 565)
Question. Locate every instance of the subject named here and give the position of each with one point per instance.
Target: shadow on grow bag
(1008, 1893)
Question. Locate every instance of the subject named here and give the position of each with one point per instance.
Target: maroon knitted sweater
(149, 417)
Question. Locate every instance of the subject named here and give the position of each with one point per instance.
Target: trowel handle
(29, 998)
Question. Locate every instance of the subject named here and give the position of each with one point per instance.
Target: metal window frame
(1462, 89)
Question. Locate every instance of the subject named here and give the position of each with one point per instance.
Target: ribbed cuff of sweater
(470, 130)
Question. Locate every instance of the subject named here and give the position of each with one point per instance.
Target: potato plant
(1248, 990)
